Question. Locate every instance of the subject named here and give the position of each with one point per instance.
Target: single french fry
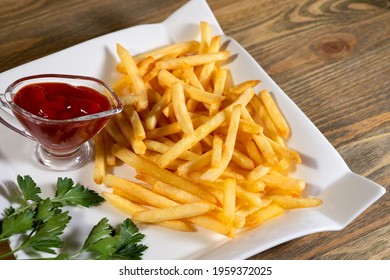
(180, 108)
(120, 84)
(250, 127)
(255, 186)
(131, 99)
(192, 60)
(213, 224)
(216, 156)
(263, 214)
(135, 76)
(275, 113)
(178, 49)
(205, 32)
(258, 172)
(122, 203)
(242, 160)
(242, 87)
(130, 208)
(290, 202)
(283, 182)
(229, 200)
(162, 131)
(108, 142)
(100, 159)
(178, 212)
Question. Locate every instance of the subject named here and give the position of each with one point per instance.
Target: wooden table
(331, 57)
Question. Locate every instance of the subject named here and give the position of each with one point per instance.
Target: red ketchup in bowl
(62, 103)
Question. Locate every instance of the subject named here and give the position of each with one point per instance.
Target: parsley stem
(3, 256)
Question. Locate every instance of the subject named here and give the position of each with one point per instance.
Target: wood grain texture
(330, 56)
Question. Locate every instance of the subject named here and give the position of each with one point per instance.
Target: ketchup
(60, 101)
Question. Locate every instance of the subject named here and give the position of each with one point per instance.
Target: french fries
(206, 152)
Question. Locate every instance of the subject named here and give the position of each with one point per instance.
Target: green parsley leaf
(29, 189)
(18, 222)
(69, 194)
(9, 211)
(100, 231)
(106, 244)
(47, 235)
(128, 247)
(100, 241)
(45, 210)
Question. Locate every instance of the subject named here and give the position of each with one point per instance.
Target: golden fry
(283, 182)
(180, 108)
(135, 76)
(229, 200)
(275, 114)
(108, 142)
(192, 60)
(100, 159)
(178, 49)
(263, 214)
(217, 151)
(178, 212)
(290, 202)
(130, 208)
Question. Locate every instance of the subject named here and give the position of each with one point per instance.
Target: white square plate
(345, 194)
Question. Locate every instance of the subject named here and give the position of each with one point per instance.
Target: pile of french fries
(207, 152)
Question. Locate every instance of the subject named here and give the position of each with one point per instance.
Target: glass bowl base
(63, 162)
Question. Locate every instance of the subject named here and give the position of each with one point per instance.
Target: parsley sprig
(41, 222)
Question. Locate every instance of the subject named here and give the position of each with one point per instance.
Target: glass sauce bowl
(62, 130)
